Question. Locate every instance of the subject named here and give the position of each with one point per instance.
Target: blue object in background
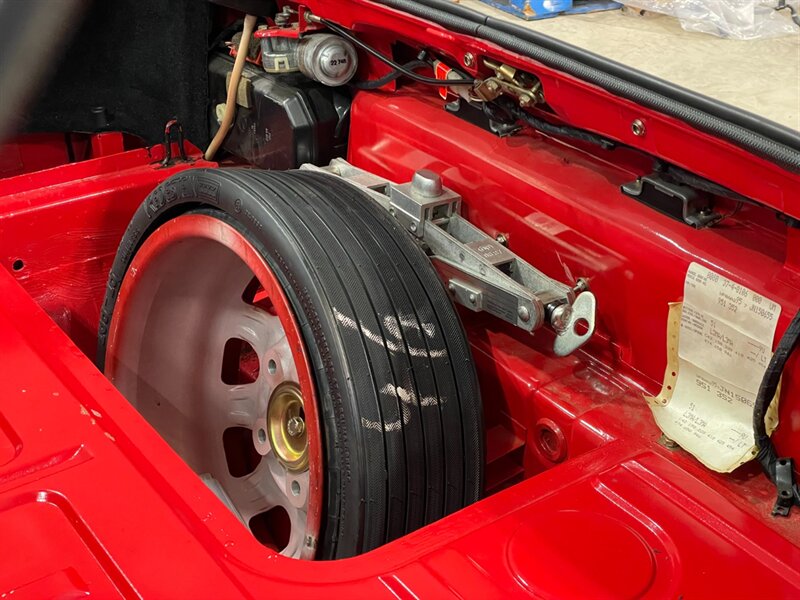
(543, 9)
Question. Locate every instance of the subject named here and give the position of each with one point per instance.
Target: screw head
(668, 442)
(524, 314)
(501, 239)
(295, 426)
(451, 288)
(469, 59)
(638, 128)
(472, 298)
(413, 227)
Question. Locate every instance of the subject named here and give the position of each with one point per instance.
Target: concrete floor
(760, 76)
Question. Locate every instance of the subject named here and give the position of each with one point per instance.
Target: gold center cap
(286, 427)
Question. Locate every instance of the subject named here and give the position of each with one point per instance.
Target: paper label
(719, 343)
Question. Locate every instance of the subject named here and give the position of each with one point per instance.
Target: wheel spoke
(257, 327)
(236, 405)
(254, 493)
(297, 535)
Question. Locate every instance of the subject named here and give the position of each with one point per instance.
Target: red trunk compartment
(583, 500)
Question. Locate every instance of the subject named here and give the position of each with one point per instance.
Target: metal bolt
(426, 183)
(524, 314)
(501, 239)
(525, 100)
(469, 59)
(560, 317)
(472, 298)
(413, 227)
(581, 285)
(295, 426)
(491, 85)
(668, 442)
(451, 288)
(638, 128)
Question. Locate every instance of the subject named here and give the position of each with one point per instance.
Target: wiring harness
(779, 470)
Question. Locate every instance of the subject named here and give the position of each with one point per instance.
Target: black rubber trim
(756, 134)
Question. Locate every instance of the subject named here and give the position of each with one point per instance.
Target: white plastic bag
(737, 19)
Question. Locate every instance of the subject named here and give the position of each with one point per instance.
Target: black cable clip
(173, 124)
(787, 488)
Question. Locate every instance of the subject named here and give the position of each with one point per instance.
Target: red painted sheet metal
(59, 228)
(581, 104)
(562, 210)
(98, 503)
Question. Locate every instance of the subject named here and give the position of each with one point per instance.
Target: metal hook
(171, 125)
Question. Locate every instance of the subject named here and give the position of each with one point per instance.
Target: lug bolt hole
(295, 488)
(262, 436)
(550, 440)
(272, 367)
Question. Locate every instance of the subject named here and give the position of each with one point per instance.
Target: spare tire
(297, 349)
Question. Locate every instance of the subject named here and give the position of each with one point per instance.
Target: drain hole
(272, 528)
(550, 440)
(240, 453)
(18, 265)
(239, 363)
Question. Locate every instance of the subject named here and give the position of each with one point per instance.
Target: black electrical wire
(567, 131)
(769, 383)
(767, 455)
(374, 84)
(388, 61)
(517, 113)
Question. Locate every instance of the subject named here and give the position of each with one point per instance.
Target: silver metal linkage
(480, 272)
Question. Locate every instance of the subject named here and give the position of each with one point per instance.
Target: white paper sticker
(719, 342)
